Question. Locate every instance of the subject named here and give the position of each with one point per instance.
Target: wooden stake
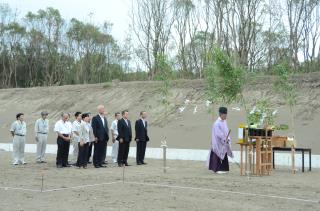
(42, 180)
(293, 159)
(123, 174)
(164, 149)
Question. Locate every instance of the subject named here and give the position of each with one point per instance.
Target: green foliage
(225, 81)
(135, 76)
(15, 28)
(164, 74)
(283, 86)
(107, 85)
(262, 115)
(282, 127)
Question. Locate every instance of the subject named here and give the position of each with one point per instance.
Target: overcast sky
(114, 11)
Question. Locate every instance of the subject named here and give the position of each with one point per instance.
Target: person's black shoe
(59, 166)
(120, 165)
(67, 166)
(97, 167)
(143, 163)
(103, 166)
(139, 164)
(126, 164)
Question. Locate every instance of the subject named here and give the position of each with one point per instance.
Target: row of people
(86, 134)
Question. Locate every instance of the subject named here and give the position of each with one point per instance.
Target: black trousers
(99, 152)
(141, 151)
(63, 151)
(104, 152)
(89, 151)
(83, 155)
(123, 152)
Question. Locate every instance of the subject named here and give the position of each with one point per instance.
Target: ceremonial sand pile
(186, 123)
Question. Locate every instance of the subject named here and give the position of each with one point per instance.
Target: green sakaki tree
(224, 80)
(285, 88)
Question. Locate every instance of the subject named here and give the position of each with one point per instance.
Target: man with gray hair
(18, 131)
(41, 130)
(101, 136)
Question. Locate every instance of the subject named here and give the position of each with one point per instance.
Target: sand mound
(186, 122)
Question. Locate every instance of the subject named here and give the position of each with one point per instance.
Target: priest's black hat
(223, 110)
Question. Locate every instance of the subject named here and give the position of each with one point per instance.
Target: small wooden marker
(123, 174)
(164, 148)
(42, 180)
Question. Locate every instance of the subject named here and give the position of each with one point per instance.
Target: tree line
(42, 49)
(257, 34)
(167, 37)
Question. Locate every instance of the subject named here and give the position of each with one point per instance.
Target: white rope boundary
(58, 189)
(19, 189)
(168, 186)
(78, 187)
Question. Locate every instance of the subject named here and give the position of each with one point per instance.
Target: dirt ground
(187, 185)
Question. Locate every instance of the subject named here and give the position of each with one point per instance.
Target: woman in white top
(76, 125)
(114, 132)
(84, 139)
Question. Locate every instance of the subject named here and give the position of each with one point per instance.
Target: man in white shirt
(76, 127)
(18, 131)
(114, 133)
(63, 128)
(41, 130)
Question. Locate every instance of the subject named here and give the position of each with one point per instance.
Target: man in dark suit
(101, 136)
(124, 138)
(142, 138)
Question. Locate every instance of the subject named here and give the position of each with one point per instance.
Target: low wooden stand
(258, 156)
